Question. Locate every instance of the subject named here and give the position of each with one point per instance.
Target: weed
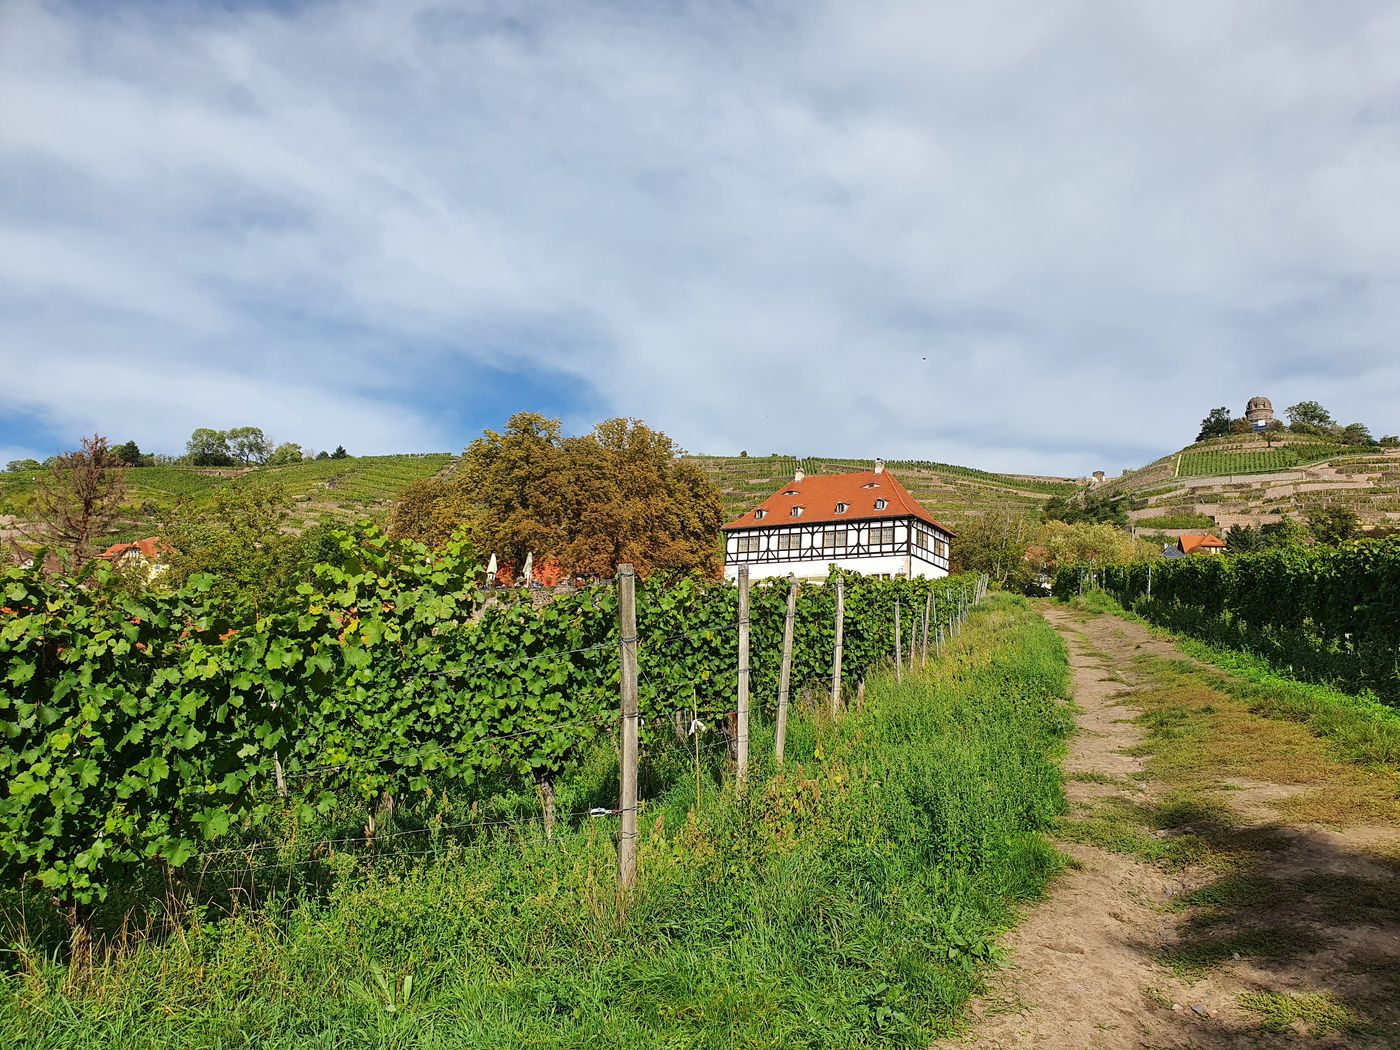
(1321, 1014)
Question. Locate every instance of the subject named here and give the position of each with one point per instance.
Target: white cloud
(1019, 235)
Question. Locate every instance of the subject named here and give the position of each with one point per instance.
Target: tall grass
(851, 898)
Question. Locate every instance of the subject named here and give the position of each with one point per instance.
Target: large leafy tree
(1308, 417)
(285, 453)
(617, 494)
(209, 448)
(249, 445)
(81, 498)
(1216, 424)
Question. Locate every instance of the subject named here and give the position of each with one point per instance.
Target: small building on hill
(1200, 545)
(866, 522)
(1259, 412)
(138, 554)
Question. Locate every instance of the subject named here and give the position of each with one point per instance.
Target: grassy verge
(1363, 729)
(1277, 799)
(851, 898)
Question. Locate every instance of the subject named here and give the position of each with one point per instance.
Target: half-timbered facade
(865, 522)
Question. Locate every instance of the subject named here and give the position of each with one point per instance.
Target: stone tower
(1259, 411)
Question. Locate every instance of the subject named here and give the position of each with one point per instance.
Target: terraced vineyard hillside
(1241, 480)
(338, 488)
(952, 494)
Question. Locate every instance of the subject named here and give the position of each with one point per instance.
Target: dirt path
(1195, 915)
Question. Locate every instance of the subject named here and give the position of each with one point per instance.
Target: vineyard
(342, 489)
(1327, 613)
(1219, 462)
(950, 493)
(144, 731)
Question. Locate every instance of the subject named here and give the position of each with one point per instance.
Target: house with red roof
(1200, 544)
(143, 554)
(866, 522)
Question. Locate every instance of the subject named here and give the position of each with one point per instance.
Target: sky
(1034, 236)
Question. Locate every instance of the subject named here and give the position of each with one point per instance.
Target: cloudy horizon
(1034, 237)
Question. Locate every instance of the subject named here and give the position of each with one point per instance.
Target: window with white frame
(881, 504)
(841, 508)
(789, 541)
(834, 539)
(760, 514)
(747, 545)
(882, 536)
(796, 512)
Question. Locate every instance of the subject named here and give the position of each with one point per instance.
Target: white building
(865, 522)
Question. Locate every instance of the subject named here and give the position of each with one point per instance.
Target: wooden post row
(742, 709)
(928, 608)
(627, 794)
(785, 676)
(836, 649)
(898, 646)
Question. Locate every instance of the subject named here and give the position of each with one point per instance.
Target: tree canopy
(81, 497)
(617, 494)
(1216, 424)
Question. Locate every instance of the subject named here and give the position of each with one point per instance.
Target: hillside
(951, 494)
(1241, 480)
(342, 489)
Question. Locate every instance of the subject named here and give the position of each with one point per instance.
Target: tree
(1087, 507)
(1332, 523)
(1308, 417)
(1241, 426)
(129, 454)
(209, 448)
(20, 466)
(1389, 441)
(1216, 424)
(340, 453)
(80, 499)
(243, 537)
(323, 454)
(287, 452)
(1283, 533)
(617, 494)
(1357, 434)
(1241, 539)
(249, 445)
(997, 545)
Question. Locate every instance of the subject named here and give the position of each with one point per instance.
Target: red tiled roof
(148, 548)
(1195, 543)
(818, 495)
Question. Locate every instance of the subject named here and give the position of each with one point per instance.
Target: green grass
(850, 899)
(1183, 520)
(1319, 1014)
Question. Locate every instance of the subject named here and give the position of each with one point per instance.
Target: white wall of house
(808, 551)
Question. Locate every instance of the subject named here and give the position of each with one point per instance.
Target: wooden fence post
(836, 649)
(627, 800)
(898, 646)
(785, 676)
(742, 713)
(928, 609)
(1149, 581)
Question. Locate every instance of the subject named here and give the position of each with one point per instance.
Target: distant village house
(866, 522)
(1194, 545)
(143, 555)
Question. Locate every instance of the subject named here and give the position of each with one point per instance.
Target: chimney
(879, 466)
(799, 475)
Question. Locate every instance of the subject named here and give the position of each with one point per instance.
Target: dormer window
(841, 508)
(790, 492)
(881, 504)
(759, 515)
(797, 512)
(871, 485)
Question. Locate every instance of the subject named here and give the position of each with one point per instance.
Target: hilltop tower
(1259, 412)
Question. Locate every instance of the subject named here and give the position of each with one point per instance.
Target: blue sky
(1018, 235)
